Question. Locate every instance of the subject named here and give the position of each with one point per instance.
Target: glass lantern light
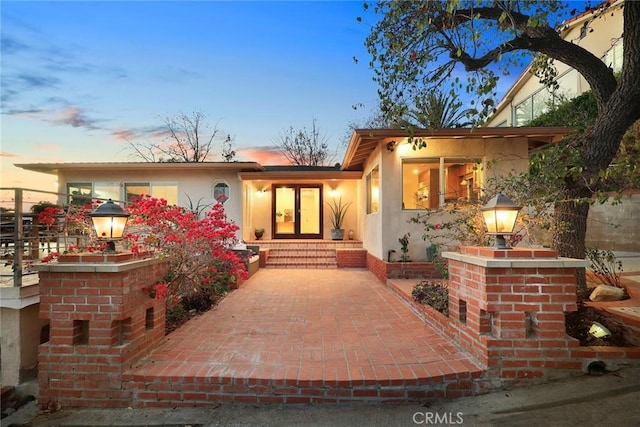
(500, 214)
(109, 221)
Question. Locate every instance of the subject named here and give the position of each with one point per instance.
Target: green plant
(404, 247)
(605, 267)
(435, 294)
(338, 212)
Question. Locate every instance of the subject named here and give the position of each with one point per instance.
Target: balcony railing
(23, 240)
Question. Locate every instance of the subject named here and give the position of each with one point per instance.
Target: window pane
(106, 190)
(523, 112)
(463, 178)
(136, 189)
(541, 101)
(80, 193)
(169, 192)
(373, 190)
(420, 183)
(221, 192)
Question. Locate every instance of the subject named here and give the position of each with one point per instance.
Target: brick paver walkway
(305, 336)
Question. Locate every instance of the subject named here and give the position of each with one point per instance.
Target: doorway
(297, 211)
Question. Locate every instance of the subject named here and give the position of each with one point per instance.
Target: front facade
(384, 181)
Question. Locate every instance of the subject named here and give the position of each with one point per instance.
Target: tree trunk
(570, 224)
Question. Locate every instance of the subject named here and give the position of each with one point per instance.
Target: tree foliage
(189, 139)
(417, 46)
(305, 147)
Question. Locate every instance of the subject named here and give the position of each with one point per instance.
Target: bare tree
(305, 147)
(189, 140)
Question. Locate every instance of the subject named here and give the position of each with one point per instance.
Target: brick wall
(351, 258)
(384, 270)
(101, 323)
(507, 308)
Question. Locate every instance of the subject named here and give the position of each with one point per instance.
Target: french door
(297, 211)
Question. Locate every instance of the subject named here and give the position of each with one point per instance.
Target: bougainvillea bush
(196, 250)
(201, 266)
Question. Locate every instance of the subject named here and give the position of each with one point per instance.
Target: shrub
(432, 293)
(606, 269)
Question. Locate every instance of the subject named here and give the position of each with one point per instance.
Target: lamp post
(109, 221)
(500, 214)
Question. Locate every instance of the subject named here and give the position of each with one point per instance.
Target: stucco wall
(392, 222)
(194, 186)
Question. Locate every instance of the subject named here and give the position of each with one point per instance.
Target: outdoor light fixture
(109, 221)
(391, 145)
(599, 331)
(260, 193)
(500, 215)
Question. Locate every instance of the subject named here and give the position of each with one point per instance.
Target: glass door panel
(309, 210)
(285, 211)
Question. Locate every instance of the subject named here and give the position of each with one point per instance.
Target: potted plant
(338, 211)
(259, 232)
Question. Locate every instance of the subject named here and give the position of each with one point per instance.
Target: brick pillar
(101, 323)
(507, 308)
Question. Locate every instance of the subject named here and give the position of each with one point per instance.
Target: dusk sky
(78, 77)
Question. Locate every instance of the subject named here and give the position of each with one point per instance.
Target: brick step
(303, 253)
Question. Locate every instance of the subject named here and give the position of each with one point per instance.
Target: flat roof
(364, 141)
(55, 168)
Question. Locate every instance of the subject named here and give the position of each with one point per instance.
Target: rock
(606, 293)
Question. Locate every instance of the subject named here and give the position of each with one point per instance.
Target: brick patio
(304, 336)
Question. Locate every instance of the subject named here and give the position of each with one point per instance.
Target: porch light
(109, 221)
(500, 215)
(391, 145)
(260, 193)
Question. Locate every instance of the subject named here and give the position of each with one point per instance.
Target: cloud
(8, 155)
(9, 45)
(264, 155)
(71, 116)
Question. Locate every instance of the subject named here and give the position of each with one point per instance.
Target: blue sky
(79, 76)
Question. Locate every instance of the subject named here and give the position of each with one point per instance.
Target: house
(385, 181)
(612, 227)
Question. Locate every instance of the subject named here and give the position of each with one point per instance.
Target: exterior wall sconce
(334, 192)
(260, 193)
(500, 214)
(391, 146)
(109, 221)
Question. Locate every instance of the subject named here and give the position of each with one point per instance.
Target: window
(613, 57)
(106, 190)
(429, 183)
(373, 190)
(80, 193)
(540, 102)
(166, 191)
(221, 191)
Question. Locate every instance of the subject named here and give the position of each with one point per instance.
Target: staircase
(303, 253)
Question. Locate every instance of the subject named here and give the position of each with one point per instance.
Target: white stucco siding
(194, 186)
(372, 223)
(392, 222)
